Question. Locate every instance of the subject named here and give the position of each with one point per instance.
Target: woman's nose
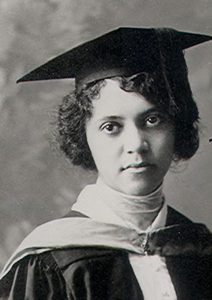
(135, 141)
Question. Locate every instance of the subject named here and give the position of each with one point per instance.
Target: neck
(136, 211)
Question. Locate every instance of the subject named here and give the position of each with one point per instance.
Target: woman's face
(130, 139)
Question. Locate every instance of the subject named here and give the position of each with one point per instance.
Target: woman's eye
(111, 128)
(153, 120)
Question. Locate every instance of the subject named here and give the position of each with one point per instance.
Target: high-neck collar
(101, 202)
(130, 203)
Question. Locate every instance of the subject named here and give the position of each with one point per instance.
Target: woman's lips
(138, 167)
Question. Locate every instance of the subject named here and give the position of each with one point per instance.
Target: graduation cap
(121, 52)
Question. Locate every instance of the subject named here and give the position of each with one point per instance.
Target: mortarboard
(124, 51)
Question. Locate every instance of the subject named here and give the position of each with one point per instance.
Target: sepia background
(37, 183)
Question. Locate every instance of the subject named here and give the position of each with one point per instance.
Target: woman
(131, 115)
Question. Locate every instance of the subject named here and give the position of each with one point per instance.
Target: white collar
(91, 203)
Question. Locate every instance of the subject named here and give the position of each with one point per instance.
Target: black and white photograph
(106, 150)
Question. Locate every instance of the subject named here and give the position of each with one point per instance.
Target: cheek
(164, 145)
(97, 148)
(168, 152)
(101, 146)
(105, 157)
(103, 154)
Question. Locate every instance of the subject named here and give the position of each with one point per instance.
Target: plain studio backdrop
(37, 183)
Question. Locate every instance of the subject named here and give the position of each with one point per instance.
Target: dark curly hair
(76, 109)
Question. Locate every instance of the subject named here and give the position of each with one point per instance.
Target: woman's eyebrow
(110, 118)
(121, 118)
(152, 110)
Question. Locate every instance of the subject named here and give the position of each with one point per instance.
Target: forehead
(114, 101)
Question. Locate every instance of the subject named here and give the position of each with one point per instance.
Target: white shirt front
(150, 270)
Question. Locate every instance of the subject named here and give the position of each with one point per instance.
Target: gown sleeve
(34, 277)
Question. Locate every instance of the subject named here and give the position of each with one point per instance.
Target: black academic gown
(101, 273)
